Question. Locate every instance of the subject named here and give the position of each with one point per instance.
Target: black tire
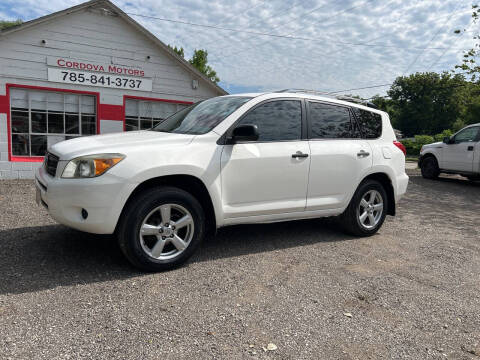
(429, 167)
(350, 217)
(128, 231)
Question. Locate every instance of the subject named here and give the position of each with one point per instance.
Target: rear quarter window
(370, 123)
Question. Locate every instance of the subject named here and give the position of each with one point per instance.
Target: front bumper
(102, 197)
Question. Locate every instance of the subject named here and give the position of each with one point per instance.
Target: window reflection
(277, 120)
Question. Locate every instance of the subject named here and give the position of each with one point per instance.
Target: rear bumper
(402, 185)
(103, 198)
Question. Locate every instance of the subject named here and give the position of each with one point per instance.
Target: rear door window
(278, 120)
(370, 123)
(329, 121)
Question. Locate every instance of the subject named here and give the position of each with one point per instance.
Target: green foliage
(428, 103)
(200, 61)
(179, 51)
(471, 113)
(444, 133)
(413, 146)
(469, 62)
(425, 103)
(5, 24)
(458, 125)
(424, 139)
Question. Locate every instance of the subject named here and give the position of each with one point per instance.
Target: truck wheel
(367, 210)
(161, 228)
(430, 169)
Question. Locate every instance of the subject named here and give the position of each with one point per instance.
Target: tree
(5, 24)
(200, 61)
(426, 103)
(469, 63)
(179, 50)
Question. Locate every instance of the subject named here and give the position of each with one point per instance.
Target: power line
(343, 47)
(445, 51)
(272, 69)
(261, 21)
(433, 38)
(288, 22)
(247, 9)
(290, 36)
(362, 88)
(381, 85)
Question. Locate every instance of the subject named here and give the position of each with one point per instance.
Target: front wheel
(161, 228)
(430, 169)
(367, 210)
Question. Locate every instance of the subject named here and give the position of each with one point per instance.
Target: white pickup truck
(459, 154)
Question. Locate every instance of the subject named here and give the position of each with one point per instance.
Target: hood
(116, 143)
(435, 144)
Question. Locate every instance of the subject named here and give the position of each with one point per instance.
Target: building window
(141, 115)
(40, 119)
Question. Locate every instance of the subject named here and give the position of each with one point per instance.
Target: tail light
(400, 146)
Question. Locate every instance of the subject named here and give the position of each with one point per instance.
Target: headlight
(91, 165)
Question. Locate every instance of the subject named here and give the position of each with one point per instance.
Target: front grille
(51, 162)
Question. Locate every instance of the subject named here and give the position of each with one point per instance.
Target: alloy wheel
(166, 231)
(370, 209)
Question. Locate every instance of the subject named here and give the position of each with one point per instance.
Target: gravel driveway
(412, 291)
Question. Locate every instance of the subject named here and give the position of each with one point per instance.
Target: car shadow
(458, 180)
(38, 258)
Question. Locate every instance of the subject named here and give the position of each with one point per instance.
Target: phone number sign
(88, 78)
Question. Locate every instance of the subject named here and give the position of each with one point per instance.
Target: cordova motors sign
(80, 72)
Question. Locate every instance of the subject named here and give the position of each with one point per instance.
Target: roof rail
(304, 91)
(330, 95)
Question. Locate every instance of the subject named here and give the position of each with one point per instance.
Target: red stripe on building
(4, 105)
(111, 112)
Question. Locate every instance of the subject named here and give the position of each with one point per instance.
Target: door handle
(299, 154)
(470, 148)
(363, 153)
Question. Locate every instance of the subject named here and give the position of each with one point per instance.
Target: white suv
(252, 158)
(459, 154)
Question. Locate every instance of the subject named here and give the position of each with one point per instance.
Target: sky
(325, 45)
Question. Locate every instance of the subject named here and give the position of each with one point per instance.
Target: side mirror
(245, 132)
(446, 140)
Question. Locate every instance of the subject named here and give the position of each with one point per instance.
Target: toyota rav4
(237, 159)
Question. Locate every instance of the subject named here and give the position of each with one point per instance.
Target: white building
(89, 69)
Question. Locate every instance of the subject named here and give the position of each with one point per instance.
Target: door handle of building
(363, 153)
(299, 154)
(470, 148)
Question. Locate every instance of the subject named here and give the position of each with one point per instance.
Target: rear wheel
(429, 167)
(161, 228)
(367, 210)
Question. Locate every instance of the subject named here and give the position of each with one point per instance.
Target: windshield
(201, 117)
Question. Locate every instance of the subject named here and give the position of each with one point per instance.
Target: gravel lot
(413, 290)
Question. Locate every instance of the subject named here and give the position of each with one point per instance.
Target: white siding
(110, 126)
(91, 36)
